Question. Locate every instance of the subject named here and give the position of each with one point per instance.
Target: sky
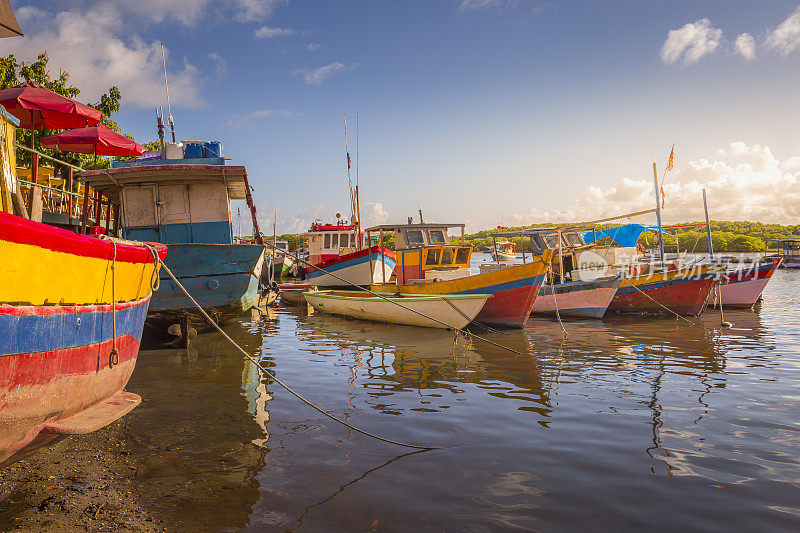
(488, 112)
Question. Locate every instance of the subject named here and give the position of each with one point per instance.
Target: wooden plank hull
(455, 311)
(683, 291)
(513, 289)
(56, 337)
(353, 268)
(744, 286)
(223, 278)
(577, 299)
(292, 293)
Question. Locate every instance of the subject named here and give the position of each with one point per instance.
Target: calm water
(624, 424)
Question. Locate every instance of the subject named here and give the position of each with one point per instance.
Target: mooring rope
(555, 302)
(113, 357)
(677, 315)
(277, 380)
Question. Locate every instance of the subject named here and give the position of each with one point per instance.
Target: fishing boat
(72, 309)
(292, 293)
(743, 282)
(185, 204)
(428, 263)
(340, 257)
(566, 290)
(789, 252)
(444, 311)
(504, 251)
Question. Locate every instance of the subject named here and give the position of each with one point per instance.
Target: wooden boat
(60, 303)
(427, 263)
(653, 290)
(789, 252)
(504, 251)
(577, 299)
(186, 205)
(340, 249)
(742, 284)
(455, 310)
(292, 293)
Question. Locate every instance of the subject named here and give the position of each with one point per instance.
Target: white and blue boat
(185, 204)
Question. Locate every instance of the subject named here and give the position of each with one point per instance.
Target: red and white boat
(743, 283)
(339, 257)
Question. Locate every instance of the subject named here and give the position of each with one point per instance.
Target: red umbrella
(38, 107)
(98, 140)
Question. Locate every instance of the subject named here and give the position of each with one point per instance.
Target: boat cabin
(326, 241)
(170, 202)
(789, 251)
(424, 252)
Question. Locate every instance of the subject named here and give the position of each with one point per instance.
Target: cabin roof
(433, 225)
(109, 181)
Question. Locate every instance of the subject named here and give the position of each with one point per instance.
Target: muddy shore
(184, 460)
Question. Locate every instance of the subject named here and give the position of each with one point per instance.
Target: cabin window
(343, 238)
(433, 257)
(436, 236)
(573, 239)
(535, 248)
(447, 256)
(463, 256)
(414, 236)
(551, 241)
(327, 240)
(352, 240)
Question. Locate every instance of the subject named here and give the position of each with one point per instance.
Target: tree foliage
(13, 73)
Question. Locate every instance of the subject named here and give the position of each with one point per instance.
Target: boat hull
(577, 299)
(744, 287)
(292, 293)
(222, 278)
(500, 256)
(513, 290)
(456, 311)
(683, 291)
(56, 331)
(353, 269)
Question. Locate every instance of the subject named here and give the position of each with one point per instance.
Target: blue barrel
(212, 149)
(193, 151)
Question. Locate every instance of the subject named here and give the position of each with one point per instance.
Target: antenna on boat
(358, 201)
(166, 87)
(419, 207)
(349, 180)
(160, 125)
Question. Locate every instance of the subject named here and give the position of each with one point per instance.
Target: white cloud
(691, 42)
(92, 46)
(745, 46)
(786, 37)
(743, 182)
(535, 6)
(220, 65)
(240, 121)
(373, 213)
(312, 46)
(265, 32)
(319, 75)
(252, 10)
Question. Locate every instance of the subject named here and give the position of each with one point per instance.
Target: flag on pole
(671, 158)
(670, 164)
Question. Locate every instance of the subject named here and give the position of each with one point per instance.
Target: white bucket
(173, 150)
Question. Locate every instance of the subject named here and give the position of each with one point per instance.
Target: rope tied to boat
(549, 275)
(677, 315)
(272, 374)
(113, 357)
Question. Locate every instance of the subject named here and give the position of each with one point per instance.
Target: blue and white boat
(185, 204)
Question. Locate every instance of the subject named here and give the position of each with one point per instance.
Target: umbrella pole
(34, 172)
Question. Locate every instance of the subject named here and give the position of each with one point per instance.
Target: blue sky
(479, 110)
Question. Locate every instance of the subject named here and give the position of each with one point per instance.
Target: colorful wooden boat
(427, 263)
(455, 310)
(339, 257)
(577, 299)
(651, 290)
(504, 251)
(742, 284)
(60, 303)
(186, 205)
(292, 293)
